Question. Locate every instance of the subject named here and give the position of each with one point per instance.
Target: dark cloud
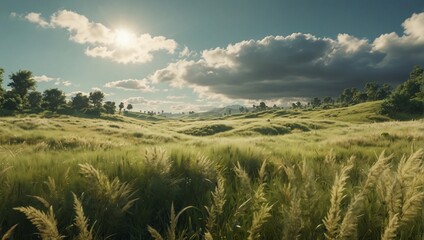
(300, 65)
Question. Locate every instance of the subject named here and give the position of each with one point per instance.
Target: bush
(92, 111)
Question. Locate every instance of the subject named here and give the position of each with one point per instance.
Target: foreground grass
(268, 177)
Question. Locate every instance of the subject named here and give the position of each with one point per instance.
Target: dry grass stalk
(259, 196)
(292, 219)
(208, 236)
(172, 227)
(218, 202)
(405, 196)
(158, 159)
(394, 197)
(242, 176)
(172, 224)
(413, 204)
(81, 222)
(207, 167)
(404, 193)
(155, 234)
(42, 200)
(9, 232)
(348, 227)
(262, 172)
(391, 229)
(409, 167)
(259, 218)
(305, 171)
(331, 221)
(44, 222)
(289, 170)
(376, 170)
(116, 192)
(330, 158)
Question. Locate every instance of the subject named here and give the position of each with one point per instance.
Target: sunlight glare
(124, 38)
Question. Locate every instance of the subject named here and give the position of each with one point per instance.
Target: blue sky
(186, 55)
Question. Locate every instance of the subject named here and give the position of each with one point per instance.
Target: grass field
(346, 173)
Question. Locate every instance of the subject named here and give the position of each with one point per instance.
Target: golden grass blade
(391, 229)
(262, 172)
(376, 170)
(45, 222)
(80, 221)
(348, 227)
(9, 232)
(259, 218)
(43, 201)
(208, 236)
(331, 221)
(155, 234)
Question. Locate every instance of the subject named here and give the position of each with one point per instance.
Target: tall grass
(275, 202)
(281, 187)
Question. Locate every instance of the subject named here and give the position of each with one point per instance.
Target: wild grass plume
(45, 222)
(81, 221)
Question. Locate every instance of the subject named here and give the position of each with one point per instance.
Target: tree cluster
(408, 97)
(351, 96)
(23, 96)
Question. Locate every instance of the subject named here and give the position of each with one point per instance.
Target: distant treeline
(408, 97)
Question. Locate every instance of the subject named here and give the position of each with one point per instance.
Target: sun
(124, 38)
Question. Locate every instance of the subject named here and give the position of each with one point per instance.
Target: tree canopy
(96, 98)
(80, 102)
(1, 82)
(34, 100)
(408, 96)
(109, 107)
(22, 82)
(53, 98)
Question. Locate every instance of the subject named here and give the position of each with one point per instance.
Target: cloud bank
(104, 42)
(299, 65)
(131, 84)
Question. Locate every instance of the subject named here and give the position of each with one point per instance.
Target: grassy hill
(275, 173)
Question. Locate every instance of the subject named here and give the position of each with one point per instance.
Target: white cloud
(299, 65)
(145, 102)
(104, 42)
(81, 29)
(414, 26)
(44, 78)
(131, 84)
(66, 83)
(402, 51)
(37, 19)
(186, 52)
(72, 94)
(135, 100)
(57, 81)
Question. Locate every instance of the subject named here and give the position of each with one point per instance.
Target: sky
(194, 55)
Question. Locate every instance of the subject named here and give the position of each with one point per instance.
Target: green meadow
(343, 173)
